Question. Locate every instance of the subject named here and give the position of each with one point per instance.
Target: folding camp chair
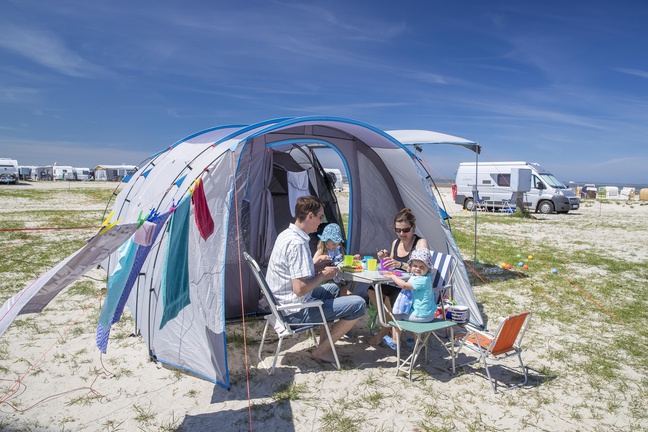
(478, 203)
(505, 342)
(441, 285)
(509, 205)
(277, 320)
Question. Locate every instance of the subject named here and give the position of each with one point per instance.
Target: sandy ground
(54, 378)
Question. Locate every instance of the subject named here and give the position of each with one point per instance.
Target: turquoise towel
(175, 278)
(117, 281)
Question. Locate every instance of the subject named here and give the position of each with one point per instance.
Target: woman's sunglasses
(403, 230)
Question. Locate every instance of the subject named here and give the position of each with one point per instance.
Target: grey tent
(245, 172)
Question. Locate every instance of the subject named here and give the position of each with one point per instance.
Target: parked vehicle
(546, 195)
(8, 171)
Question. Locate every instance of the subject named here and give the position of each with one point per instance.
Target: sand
(54, 378)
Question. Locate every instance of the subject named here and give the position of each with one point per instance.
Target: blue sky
(562, 83)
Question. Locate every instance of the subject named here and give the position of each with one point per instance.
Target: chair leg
(312, 331)
(490, 379)
(265, 332)
(524, 371)
(276, 356)
(328, 333)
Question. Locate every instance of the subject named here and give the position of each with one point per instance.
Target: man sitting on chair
(293, 278)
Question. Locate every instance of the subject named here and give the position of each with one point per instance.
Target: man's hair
(305, 205)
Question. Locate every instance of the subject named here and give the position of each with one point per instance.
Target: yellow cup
(348, 260)
(371, 264)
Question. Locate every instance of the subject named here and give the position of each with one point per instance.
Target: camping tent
(244, 171)
(247, 178)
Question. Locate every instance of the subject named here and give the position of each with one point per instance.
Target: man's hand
(329, 272)
(322, 264)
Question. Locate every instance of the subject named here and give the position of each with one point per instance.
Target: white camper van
(546, 193)
(8, 171)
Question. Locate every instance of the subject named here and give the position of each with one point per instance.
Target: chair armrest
(313, 303)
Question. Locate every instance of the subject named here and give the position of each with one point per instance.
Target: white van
(546, 195)
(336, 178)
(8, 171)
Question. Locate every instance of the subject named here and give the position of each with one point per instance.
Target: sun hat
(421, 255)
(331, 232)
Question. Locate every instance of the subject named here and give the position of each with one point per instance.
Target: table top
(369, 276)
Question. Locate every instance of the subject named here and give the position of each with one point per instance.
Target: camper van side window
(486, 182)
(504, 180)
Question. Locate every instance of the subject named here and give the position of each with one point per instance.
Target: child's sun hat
(331, 232)
(421, 255)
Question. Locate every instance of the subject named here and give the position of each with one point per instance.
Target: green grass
(612, 293)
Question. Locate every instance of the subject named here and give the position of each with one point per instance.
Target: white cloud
(46, 49)
(635, 72)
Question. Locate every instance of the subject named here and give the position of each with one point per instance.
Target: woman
(401, 248)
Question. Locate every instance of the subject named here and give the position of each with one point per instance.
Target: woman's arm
(422, 244)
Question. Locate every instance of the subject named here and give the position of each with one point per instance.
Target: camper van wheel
(469, 204)
(546, 207)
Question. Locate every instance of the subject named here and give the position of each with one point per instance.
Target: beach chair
(504, 343)
(478, 203)
(277, 321)
(445, 266)
(509, 205)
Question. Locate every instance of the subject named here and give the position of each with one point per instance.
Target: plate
(351, 269)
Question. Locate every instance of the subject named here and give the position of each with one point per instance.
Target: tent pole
(474, 195)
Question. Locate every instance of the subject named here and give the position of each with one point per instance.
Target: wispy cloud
(46, 49)
(635, 72)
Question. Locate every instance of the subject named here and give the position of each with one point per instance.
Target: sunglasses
(403, 230)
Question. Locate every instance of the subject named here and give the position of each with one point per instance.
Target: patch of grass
(144, 415)
(373, 399)
(85, 400)
(334, 420)
(82, 289)
(290, 392)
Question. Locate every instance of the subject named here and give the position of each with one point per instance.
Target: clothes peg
(106, 225)
(141, 220)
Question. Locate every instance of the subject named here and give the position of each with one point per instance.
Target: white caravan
(546, 195)
(8, 171)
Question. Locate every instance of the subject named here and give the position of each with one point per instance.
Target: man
(293, 278)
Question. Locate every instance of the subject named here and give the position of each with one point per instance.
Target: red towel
(204, 221)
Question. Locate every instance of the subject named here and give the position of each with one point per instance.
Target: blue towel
(116, 284)
(175, 278)
(140, 258)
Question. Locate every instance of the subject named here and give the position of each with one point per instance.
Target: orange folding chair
(504, 343)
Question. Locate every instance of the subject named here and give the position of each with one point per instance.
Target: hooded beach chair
(277, 321)
(504, 343)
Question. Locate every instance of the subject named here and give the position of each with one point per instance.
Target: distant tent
(113, 172)
(244, 171)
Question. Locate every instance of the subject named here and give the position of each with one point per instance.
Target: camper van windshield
(552, 181)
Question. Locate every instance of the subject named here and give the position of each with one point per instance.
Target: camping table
(376, 279)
